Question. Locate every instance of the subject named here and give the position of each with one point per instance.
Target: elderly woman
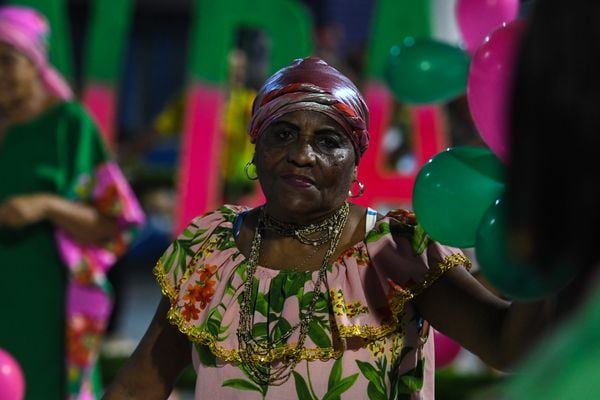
(309, 296)
(66, 213)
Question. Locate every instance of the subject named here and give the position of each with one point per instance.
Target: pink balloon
(489, 86)
(446, 349)
(478, 18)
(12, 382)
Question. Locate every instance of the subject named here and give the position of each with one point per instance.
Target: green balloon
(422, 71)
(514, 279)
(453, 190)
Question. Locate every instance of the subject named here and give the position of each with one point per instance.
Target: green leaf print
(322, 304)
(225, 238)
(336, 374)
(281, 328)
(372, 375)
(261, 305)
(276, 294)
(228, 214)
(259, 330)
(216, 318)
(187, 232)
(168, 262)
(375, 393)
(420, 240)
(263, 389)
(345, 384)
(306, 299)
(213, 327)
(302, 390)
(242, 384)
(376, 234)
(317, 334)
(411, 381)
(205, 355)
(294, 283)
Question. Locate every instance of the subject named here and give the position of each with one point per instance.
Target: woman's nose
(301, 152)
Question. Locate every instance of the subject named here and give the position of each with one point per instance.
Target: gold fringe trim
(371, 333)
(368, 333)
(448, 263)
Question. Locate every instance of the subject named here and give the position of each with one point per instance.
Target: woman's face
(305, 164)
(17, 75)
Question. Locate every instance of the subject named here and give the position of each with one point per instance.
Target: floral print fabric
(89, 301)
(366, 339)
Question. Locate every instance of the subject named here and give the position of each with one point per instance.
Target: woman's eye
(7, 59)
(283, 134)
(328, 142)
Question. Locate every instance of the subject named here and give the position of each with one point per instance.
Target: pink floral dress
(366, 339)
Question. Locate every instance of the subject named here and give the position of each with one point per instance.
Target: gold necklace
(304, 233)
(257, 354)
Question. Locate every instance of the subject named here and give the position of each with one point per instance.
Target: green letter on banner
(393, 21)
(108, 31)
(286, 23)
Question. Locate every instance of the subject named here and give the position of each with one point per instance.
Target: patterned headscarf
(313, 85)
(28, 31)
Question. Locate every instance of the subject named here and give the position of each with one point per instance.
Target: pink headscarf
(28, 31)
(311, 84)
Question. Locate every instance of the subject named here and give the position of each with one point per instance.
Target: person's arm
(152, 370)
(79, 220)
(499, 332)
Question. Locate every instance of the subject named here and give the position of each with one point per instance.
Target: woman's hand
(81, 221)
(24, 210)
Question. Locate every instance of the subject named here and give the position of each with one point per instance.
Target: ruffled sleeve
(407, 260)
(174, 265)
(396, 263)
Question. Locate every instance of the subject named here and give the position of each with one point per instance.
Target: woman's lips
(298, 180)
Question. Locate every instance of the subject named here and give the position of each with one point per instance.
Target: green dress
(59, 152)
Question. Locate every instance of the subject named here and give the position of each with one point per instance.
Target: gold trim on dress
(289, 350)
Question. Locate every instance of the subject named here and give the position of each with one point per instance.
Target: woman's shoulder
(69, 109)
(225, 214)
(398, 225)
(70, 115)
(398, 246)
(205, 233)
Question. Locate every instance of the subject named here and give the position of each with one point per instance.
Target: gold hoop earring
(246, 168)
(361, 189)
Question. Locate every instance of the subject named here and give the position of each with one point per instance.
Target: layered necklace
(258, 354)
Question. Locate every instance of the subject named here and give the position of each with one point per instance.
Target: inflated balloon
(478, 18)
(515, 280)
(453, 190)
(446, 349)
(12, 382)
(421, 71)
(490, 84)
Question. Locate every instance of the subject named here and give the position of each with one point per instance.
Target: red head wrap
(311, 84)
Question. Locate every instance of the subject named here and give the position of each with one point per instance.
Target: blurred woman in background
(66, 214)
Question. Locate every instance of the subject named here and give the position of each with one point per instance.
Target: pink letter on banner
(386, 187)
(100, 100)
(199, 188)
